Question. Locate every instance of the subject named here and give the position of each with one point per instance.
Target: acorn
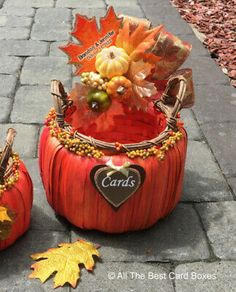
(98, 100)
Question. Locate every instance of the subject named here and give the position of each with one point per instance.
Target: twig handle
(176, 97)
(59, 96)
(6, 153)
(61, 101)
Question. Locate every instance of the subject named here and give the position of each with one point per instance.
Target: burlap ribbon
(173, 53)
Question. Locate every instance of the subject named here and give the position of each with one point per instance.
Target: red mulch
(216, 19)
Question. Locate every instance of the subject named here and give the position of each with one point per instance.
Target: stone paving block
(49, 32)
(157, 11)
(55, 51)
(41, 70)
(29, 3)
(17, 11)
(15, 21)
(133, 10)
(232, 182)
(205, 71)
(15, 33)
(126, 278)
(203, 180)
(3, 20)
(177, 237)
(25, 142)
(154, 2)
(16, 261)
(89, 12)
(83, 4)
(165, 13)
(7, 85)
(122, 3)
(220, 224)
(221, 277)
(31, 105)
(215, 103)
(176, 25)
(6, 105)
(43, 217)
(23, 48)
(191, 125)
(10, 65)
(52, 16)
(222, 140)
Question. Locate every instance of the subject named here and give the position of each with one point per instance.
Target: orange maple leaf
(91, 39)
(139, 41)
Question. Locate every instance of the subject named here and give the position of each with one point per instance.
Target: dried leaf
(139, 41)
(91, 39)
(64, 261)
(78, 95)
(142, 88)
(6, 222)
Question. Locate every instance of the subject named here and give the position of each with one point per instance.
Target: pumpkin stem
(112, 55)
(95, 106)
(121, 90)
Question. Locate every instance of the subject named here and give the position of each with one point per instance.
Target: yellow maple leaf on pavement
(64, 260)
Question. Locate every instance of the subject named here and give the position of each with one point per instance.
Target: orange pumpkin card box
(16, 195)
(113, 150)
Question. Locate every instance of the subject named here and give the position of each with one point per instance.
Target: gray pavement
(196, 243)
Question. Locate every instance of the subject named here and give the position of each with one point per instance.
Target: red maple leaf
(91, 39)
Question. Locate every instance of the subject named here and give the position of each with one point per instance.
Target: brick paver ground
(199, 237)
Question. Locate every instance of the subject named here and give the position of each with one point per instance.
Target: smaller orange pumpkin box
(16, 195)
(113, 150)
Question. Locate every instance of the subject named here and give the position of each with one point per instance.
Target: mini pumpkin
(112, 62)
(119, 87)
(16, 194)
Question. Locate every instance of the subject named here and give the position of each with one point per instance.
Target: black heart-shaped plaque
(117, 188)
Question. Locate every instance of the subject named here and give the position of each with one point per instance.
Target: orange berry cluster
(143, 153)
(154, 150)
(81, 148)
(118, 146)
(68, 140)
(13, 177)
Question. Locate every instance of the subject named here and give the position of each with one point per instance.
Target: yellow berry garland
(81, 148)
(13, 177)
(68, 140)
(154, 151)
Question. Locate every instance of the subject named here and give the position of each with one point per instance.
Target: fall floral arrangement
(124, 67)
